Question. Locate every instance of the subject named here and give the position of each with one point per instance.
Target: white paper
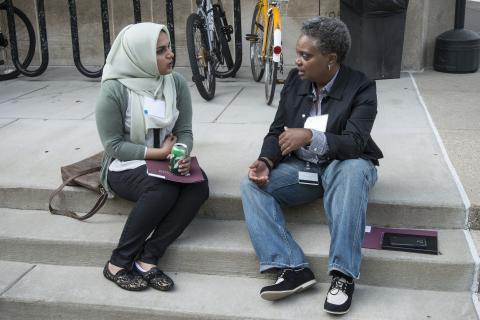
(154, 108)
(318, 123)
(368, 229)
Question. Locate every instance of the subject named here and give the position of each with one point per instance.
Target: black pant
(161, 206)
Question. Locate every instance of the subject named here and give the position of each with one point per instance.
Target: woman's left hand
(293, 139)
(184, 166)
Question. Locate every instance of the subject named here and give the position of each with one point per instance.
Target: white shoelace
(338, 292)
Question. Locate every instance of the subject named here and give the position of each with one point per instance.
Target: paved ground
(453, 103)
(53, 110)
(51, 113)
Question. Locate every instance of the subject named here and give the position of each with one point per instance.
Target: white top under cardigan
(118, 165)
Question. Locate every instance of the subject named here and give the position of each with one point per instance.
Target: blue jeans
(344, 188)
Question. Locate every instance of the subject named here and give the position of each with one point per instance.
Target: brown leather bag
(84, 173)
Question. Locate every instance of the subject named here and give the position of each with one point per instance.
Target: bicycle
(7, 68)
(208, 34)
(266, 57)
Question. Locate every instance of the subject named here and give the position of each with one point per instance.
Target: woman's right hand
(163, 152)
(168, 143)
(258, 173)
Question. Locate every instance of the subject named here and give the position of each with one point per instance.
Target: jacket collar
(335, 92)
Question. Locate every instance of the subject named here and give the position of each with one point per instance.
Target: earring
(329, 67)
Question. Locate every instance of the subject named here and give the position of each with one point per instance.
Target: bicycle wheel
(199, 56)
(270, 66)
(256, 32)
(224, 64)
(7, 68)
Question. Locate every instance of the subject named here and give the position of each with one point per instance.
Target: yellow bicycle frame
(269, 10)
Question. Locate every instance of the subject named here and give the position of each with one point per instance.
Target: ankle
(144, 267)
(113, 268)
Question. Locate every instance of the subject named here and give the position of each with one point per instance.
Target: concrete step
(61, 292)
(223, 248)
(228, 207)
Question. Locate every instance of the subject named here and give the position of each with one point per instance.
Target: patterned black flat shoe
(126, 280)
(155, 278)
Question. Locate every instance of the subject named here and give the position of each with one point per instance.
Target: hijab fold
(132, 60)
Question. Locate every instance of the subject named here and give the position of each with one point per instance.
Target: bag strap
(156, 138)
(102, 198)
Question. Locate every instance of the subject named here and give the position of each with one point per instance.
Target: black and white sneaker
(289, 281)
(339, 296)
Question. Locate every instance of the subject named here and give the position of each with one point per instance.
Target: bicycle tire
(257, 64)
(271, 67)
(31, 44)
(225, 55)
(199, 55)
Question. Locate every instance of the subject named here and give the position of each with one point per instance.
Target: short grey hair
(331, 35)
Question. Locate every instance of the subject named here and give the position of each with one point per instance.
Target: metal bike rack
(237, 22)
(171, 27)
(74, 34)
(137, 12)
(170, 24)
(43, 39)
(75, 42)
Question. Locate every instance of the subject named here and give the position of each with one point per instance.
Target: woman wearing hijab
(144, 108)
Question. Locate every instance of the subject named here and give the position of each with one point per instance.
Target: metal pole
(105, 27)
(460, 14)
(137, 12)
(237, 22)
(170, 26)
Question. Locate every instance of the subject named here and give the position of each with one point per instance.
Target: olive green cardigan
(110, 116)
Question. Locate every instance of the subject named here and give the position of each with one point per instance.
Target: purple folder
(373, 239)
(159, 169)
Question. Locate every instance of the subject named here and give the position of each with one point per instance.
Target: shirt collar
(326, 89)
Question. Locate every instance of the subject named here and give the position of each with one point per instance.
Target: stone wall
(426, 19)
(472, 15)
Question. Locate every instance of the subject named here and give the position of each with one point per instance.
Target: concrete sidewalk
(453, 103)
(48, 122)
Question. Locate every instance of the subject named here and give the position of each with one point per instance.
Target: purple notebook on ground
(159, 169)
(374, 235)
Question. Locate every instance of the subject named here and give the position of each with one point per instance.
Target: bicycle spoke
(6, 64)
(224, 65)
(259, 26)
(199, 56)
(257, 62)
(25, 43)
(271, 66)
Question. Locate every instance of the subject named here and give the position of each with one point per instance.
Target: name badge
(154, 108)
(305, 177)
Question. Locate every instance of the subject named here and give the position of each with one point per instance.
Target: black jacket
(351, 106)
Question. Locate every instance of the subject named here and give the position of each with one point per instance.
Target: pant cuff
(336, 267)
(120, 263)
(266, 266)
